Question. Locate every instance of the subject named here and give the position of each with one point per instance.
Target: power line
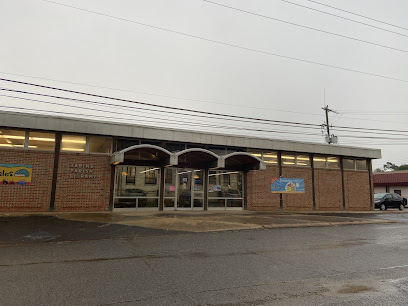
(233, 45)
(144, 109)
(184, 122)
(206, 101)
(374, 137)
(149, 117)
(257, 120)
(167, 112)
(345, 18)
(359, 15)
(156, 105)
(376, 120)
(159, 95)
(369, 129)
(132, 120)
(306, 27)
(154, 110)
(379, 112)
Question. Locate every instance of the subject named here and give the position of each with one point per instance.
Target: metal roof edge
(86, 126)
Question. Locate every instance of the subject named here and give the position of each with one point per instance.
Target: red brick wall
(328, 189)
(258, 189)
(357, 190)
(36, 196)
(83, 194)
(299, 201)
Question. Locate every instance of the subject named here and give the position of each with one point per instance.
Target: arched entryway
(148, 176)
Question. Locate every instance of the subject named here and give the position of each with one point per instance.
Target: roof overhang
(83, 126)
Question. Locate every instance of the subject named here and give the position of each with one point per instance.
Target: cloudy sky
(198, 55)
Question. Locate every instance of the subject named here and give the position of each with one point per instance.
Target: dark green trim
(57, 149)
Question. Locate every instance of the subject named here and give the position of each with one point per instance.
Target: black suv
(384, 201)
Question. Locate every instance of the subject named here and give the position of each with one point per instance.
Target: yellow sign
(15, 174)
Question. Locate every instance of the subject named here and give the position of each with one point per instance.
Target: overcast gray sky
(47, 40)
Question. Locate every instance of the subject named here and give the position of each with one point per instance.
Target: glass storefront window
(257, 154)
(175, 146)
(170, 183)
(218, 150)
(361, 164)
(198, 202)
(100, 144)
(270, 158)
(126, 143)
(146, 203)
(225, 184)
(12, 138)
(73, 143)
(348, 164)
(319, 162)
(234, 203)
(232, 150)
(152, 142)
(225, 189)
(193, 146)
(140, 183)
(124, 203)
(41, 141)
(303, 160)
(288, 159)
(216, 203)
(169, 202)
(333, 162)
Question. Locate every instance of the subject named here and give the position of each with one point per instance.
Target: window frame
(87, 143)
(27, 140)
(25, 143)
(327, 162)
(366, 164)
(76, 135)
(355, 164)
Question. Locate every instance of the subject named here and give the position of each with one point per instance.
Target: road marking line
(389, 268)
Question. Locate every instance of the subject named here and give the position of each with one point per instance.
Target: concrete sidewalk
(207, 221)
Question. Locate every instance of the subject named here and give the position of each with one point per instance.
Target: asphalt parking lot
(93, 226)
(62, 260)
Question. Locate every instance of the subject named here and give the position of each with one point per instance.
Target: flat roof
(85, 126)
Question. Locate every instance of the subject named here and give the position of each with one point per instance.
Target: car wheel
(383, 207)
(401, 207)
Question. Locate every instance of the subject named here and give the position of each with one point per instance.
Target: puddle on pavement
(343, 244)
(41, 235)
(350, 289)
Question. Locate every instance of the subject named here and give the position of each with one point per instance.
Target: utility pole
(329, 137)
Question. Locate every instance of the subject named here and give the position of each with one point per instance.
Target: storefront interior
(150, 177)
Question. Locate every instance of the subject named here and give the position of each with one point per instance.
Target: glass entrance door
(183, 193)
(198, 189)
(189, 189)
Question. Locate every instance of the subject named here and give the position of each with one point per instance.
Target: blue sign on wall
(287, 185)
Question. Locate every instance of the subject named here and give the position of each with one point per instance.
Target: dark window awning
(152, 155)
(243, 161)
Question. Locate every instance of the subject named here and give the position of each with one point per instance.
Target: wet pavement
(206, 221)
(48, 260)
(40, 228)
(394, 215)
(94, 226)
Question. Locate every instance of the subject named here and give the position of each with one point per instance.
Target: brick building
(393, 181)
(66, 164)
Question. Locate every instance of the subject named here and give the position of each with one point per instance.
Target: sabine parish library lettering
(81, 171)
